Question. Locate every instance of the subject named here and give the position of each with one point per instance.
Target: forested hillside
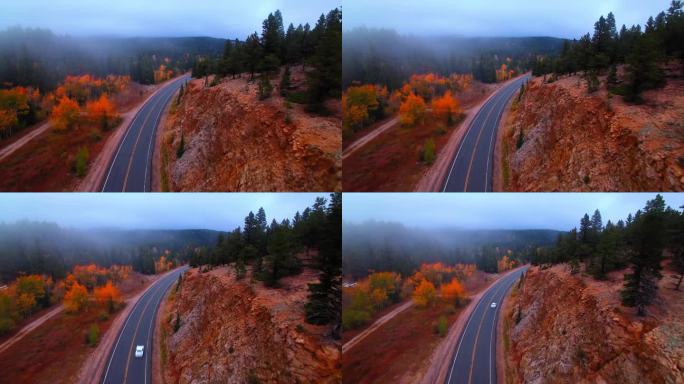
(382, 246)
(643, 242)
(318, 48)
(47, 248)
(375, 56)
(41, 59)
(643, 50)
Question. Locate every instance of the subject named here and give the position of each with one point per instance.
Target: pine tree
(253, 54)
(325, 80)
(285, 81)
(643, 68)
(325, 301)
(646, 239)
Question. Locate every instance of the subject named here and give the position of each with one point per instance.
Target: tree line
(40, 248)
(312, 237)
(641, 243)
(384, 57)
(40, 59)
(642, 50)
(319, 48)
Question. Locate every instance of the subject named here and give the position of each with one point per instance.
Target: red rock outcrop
(236, 331)
(235, 142)
(574, 330)
(579, 142)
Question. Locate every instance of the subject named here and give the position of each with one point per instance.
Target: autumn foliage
(446, 108)
(412, 110)
(424, 294)
(505, 264)
(375, 292)
(362, 105)
(65, 115)
(76, 298)
(453, 292)
(108, 296)
(503, 73)
(102, 112)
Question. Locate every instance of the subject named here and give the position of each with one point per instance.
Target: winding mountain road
(131, 168)
(474, 360)
(471, 168)
(123, 366)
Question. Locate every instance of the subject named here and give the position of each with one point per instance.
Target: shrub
(81, 162)
(442, 326)
(265, 87)
(353, 318)
(93, 335)
(429, 152)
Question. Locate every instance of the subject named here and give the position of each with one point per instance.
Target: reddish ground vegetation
(565, 328)
(401, 350)
(46, 163)
(55, 351)
(574, 141)
(237, 331)
(392, 161)
(232, 141)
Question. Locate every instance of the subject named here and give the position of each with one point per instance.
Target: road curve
(471, 168)
(474, 360)
(131, 168)
(123, 366)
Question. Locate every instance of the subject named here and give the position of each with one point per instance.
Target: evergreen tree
(326, 78)
(325, 301)
(643, 70)
(646, 238)
(253, 54)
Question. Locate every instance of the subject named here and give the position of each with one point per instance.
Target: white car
(493, 305)
(139, 350)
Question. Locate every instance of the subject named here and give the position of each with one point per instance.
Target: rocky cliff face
(235, 142)
(579, 142)
(569, 329)
(234, 331)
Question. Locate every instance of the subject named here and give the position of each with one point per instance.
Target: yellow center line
(142, 127)
(472, 157)
(477, 336)
(137, 327)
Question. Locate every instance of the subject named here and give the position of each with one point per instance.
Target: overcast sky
(215, 18)
(561, 211)
(556, 18)
(221, 211)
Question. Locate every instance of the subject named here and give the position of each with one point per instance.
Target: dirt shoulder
(441, 358)
(99, 167)
(91, 371)
(499, 179)
(433, 179)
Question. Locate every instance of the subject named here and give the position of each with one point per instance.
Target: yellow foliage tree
(76, 298)
(358, 105)
(424, 294)
(412, 110)
(65, 114)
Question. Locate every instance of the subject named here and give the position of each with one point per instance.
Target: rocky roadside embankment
(574, 141)
(238, 331)
(235, 142)
(566, 328)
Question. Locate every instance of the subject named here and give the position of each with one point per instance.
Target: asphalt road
(131, 168)
(123, 366)
(474, 360)
(471, 168)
